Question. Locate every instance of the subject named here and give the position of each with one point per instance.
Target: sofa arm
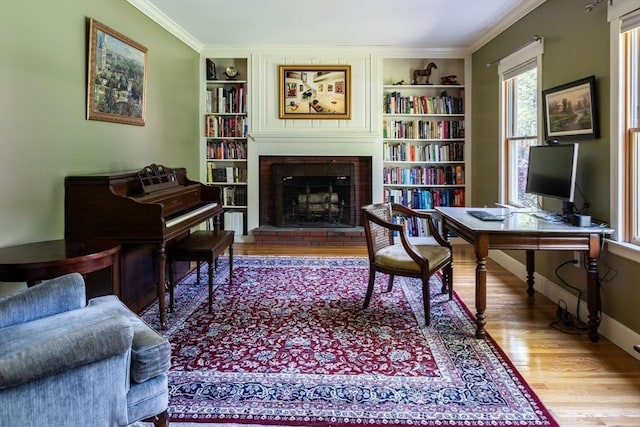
(50, 297)
(45, 355)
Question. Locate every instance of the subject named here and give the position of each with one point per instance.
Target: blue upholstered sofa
(64, 362)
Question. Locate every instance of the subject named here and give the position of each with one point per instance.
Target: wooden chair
(405, 258)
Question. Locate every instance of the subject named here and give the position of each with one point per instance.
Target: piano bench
(201, 245)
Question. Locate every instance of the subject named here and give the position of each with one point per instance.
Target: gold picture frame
(116, 78)
(313, 92)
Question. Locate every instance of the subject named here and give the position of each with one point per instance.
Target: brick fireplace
(343, 184)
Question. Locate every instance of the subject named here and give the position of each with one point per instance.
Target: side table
(33, 262)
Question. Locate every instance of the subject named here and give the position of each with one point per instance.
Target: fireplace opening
(348, 176)
(313, 194)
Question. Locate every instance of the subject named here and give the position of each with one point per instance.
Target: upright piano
(144, 210)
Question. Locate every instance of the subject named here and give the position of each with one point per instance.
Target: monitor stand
(568, 209)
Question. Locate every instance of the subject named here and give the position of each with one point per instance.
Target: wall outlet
(577, 258)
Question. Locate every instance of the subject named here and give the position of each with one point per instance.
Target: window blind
(630, 21)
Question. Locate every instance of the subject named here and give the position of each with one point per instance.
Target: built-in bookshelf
(226, 124)
(423, 132)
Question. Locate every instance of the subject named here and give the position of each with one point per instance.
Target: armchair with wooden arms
(404, 258)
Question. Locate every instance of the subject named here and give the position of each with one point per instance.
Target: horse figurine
(424, 73)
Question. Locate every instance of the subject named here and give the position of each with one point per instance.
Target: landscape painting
(117, 77)
(570, 110)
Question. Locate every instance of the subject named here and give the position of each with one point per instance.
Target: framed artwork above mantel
(314, 92)
(116, 77)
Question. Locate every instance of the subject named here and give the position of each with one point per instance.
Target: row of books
(395, 103)
(234, 221)
(225, 127)
(423, 129)
(432, 175)
(425, 199)
(227, 100)
(234, 196)
(413, 227)
(225, 149)
(226, 174)
(410, 152)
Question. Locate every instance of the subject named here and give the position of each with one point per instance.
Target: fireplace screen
(313, 195)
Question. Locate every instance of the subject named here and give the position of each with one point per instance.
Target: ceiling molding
(167, 23)
(508, 20)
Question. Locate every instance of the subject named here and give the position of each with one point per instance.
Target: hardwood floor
(581, 383)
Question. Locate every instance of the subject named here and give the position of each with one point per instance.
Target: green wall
(576, 45)
(44, 134)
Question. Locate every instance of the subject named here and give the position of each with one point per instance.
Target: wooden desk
(33, 262)
(521, 230)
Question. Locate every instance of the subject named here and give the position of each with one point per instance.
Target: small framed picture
(315, 97)
(570, 110)
(117, 77)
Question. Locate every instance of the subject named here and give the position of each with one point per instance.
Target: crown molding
(508, 20)
(167, 23)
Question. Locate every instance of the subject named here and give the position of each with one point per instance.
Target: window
(520, 88)
(631, 142)
(521, 132)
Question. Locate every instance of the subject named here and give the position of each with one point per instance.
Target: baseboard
(610, 328)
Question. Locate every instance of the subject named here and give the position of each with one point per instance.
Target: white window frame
(531, 52)
(619, 135)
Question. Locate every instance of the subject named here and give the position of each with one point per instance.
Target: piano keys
(143, 218)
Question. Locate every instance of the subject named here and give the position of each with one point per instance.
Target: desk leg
(162, 303)
(531, 266)
(482, 253)
(593, 298)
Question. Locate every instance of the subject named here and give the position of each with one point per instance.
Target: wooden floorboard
(581, 383)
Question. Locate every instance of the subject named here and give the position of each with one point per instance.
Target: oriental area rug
(289, 344)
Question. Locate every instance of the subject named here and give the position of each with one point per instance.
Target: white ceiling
(405, 23)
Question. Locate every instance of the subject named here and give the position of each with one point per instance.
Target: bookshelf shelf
(226, 123)
(423, 133)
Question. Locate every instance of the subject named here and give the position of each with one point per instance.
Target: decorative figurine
(400, 83)
(424, 73)
(211, 70)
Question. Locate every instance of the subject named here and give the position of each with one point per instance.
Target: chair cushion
(150, 352)
(396, 256)
(65, 341)
(50, 297)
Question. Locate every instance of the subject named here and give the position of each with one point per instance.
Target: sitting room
(239, 219)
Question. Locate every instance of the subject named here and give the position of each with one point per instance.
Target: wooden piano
(144, 211)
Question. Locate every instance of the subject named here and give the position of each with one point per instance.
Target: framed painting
(324, 92)
(570, 110)
(117, 77)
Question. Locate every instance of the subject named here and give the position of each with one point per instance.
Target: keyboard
(485, 216)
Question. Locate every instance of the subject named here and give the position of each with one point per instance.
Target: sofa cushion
(150, 352)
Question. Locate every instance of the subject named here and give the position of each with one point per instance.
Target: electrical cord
(562, 312)
(585, 204)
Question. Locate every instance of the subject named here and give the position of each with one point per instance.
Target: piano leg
(162, 303)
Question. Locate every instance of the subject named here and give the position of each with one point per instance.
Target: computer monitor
(552, 172)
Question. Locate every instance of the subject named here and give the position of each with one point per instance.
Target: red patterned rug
(289, 344)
